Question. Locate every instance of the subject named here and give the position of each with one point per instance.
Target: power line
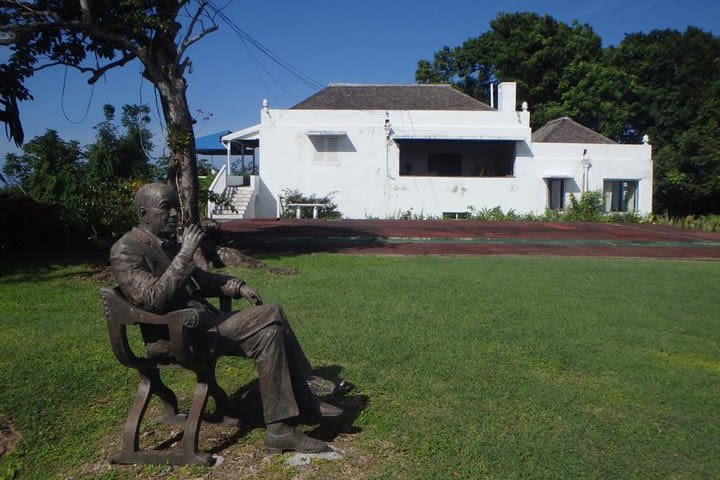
(248, 39)
(62, 101)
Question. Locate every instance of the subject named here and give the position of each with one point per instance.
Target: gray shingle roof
(566, 130)
(390, 97)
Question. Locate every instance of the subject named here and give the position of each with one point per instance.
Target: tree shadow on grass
(44, 268)
(301, 237)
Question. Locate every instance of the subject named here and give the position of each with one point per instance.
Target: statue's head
(157, 206)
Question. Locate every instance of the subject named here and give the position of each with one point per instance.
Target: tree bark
(162, 70)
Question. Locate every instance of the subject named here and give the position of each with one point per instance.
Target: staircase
(241, 198)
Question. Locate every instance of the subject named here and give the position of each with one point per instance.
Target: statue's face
(161, 213)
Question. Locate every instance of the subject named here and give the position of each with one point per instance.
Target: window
(444, 164)
(556, 193)
(456, 158)
(621, 195)
(326, 150)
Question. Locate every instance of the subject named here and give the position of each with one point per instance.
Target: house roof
(390, 97)
(566, 130)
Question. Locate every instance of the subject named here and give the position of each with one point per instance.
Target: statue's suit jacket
(153, 277)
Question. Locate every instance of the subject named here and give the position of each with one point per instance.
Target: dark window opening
(621, 195)
(445, 164)
(556, 193)
(447, 158)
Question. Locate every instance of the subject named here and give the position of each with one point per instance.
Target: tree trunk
(182, 167)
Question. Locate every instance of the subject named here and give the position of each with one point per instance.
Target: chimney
(507, 96)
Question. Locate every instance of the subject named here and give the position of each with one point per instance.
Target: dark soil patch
(233, 257)
(9, 435)
(283, 270)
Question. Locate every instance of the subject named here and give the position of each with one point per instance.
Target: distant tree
(205, 167)
(594, 94)
(94, 36)
(676, 102)
(121, 156)
(543, 56)
(50, 170)
(687, 168)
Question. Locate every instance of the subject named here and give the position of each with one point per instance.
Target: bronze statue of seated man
(156, 273)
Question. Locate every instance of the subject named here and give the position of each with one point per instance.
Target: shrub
(295, 196)
(588, 209)
(706, 223)
(105, 210)
(492, 214)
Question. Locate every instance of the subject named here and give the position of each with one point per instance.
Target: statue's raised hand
(192, 238)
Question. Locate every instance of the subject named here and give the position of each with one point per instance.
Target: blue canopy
(211, 144)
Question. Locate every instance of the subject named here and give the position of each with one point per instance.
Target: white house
(385, 149)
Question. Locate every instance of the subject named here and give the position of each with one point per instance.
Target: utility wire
(62, 101)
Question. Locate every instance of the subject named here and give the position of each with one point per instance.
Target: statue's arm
(217, 284)
(140, 286)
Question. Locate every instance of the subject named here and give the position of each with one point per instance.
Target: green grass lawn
(473, 367)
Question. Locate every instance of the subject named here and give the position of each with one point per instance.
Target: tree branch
(120, 42)
(29, 11)
(197, 37)
(85, 9)
(97, 72)
(187, 41)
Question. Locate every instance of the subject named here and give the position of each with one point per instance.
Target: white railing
(218, 186)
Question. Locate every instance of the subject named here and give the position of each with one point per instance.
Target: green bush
(330, 211)
(105, 210)
(705, 223)
(588, 209)
(205, 196)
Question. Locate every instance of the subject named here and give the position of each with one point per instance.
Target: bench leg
(222, 403)
(131, 453)
(192, 425)
(168, 399)
(130, 441)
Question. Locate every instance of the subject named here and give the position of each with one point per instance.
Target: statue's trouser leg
(280, 362)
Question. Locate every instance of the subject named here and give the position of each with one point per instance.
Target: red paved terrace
(463, 237)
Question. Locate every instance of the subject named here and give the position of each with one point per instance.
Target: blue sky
(369, 41)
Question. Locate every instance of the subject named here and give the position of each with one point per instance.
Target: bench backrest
(119, 313)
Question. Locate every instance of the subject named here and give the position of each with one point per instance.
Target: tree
(81, 34)
(677, 103)
(594, 94)
(540, 53)
(49, 170)
(115, 156)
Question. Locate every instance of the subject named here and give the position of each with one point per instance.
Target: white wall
(364, 173)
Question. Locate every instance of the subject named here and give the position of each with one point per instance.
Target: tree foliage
(91, 189)
(121, 156)
(534, 51)
(95, 36)
(664, 83)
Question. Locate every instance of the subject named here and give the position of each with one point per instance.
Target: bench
(119, 313)
(298, 206)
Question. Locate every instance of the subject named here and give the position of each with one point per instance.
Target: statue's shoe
(295, 441)
(318, 411)
(328, 411)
